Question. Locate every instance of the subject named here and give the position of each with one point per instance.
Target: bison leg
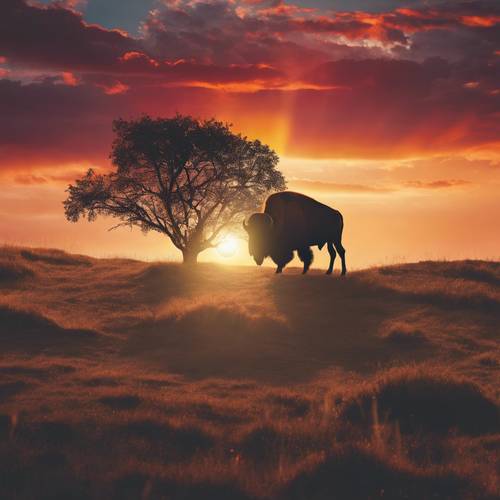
(332, 253)
(306, 256)
(282, 259)
(341, 251)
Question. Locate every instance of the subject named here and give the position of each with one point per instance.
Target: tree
(185, 178)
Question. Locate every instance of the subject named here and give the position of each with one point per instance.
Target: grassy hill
(124, 379)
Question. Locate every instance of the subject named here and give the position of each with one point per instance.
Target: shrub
(404, 334)
(12, 271)
(121, 402)
(428, 399)
(261, 444)
(355, 473)
(179, 442)
(55, 257)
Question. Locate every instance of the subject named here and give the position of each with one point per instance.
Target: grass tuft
(32, 332)
(122, 402)
(427, 399)
(12, 271)
(55, 257)
(175, 442)
(261, 444)
(404, 334)
(356, 473)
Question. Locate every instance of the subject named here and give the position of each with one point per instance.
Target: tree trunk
(190, 256)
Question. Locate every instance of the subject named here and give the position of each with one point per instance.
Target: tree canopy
(188, 179)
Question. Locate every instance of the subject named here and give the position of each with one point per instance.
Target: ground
(125, 379)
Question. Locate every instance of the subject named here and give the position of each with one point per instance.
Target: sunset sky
(387, 110)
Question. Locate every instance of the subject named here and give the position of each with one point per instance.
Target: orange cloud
(115, 88)
(484, 22)
(440, 184)
(69, 78)
(29, 179)
(332, 187)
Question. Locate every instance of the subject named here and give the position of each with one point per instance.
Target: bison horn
(245, 226)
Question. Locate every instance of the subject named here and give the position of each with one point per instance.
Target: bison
(293, 221)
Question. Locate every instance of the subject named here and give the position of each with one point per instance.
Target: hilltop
(126, 379)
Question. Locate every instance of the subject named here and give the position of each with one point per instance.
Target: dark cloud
(47, 123)
(225, 41)
(401, 76)
(244, 32)
(385, 84)
(390, 107)
(252, 32)
(55, 37)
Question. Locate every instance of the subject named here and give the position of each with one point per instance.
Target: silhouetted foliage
(182, 177)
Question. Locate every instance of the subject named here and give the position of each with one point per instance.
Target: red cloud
(139, 56)
(317, 83)
(69, 78)
(115, 88)
(31, 36)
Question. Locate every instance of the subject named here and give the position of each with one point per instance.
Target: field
(130, 380)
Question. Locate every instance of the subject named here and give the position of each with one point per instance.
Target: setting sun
(228, 246)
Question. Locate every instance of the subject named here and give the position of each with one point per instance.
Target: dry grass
(54, 257)
(403, 332)
(425, 398)
(121, 379)
(12, 269)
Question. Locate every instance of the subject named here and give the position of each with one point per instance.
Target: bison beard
(292, 221)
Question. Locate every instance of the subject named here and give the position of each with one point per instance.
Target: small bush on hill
(12, 271)
(428, 399)
(55, 257)
(403, 333)
(355, 473)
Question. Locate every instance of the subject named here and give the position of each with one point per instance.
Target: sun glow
(228, 246)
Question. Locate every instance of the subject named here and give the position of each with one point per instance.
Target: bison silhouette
(293, 221)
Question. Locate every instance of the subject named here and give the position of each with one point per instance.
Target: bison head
(259, 229)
